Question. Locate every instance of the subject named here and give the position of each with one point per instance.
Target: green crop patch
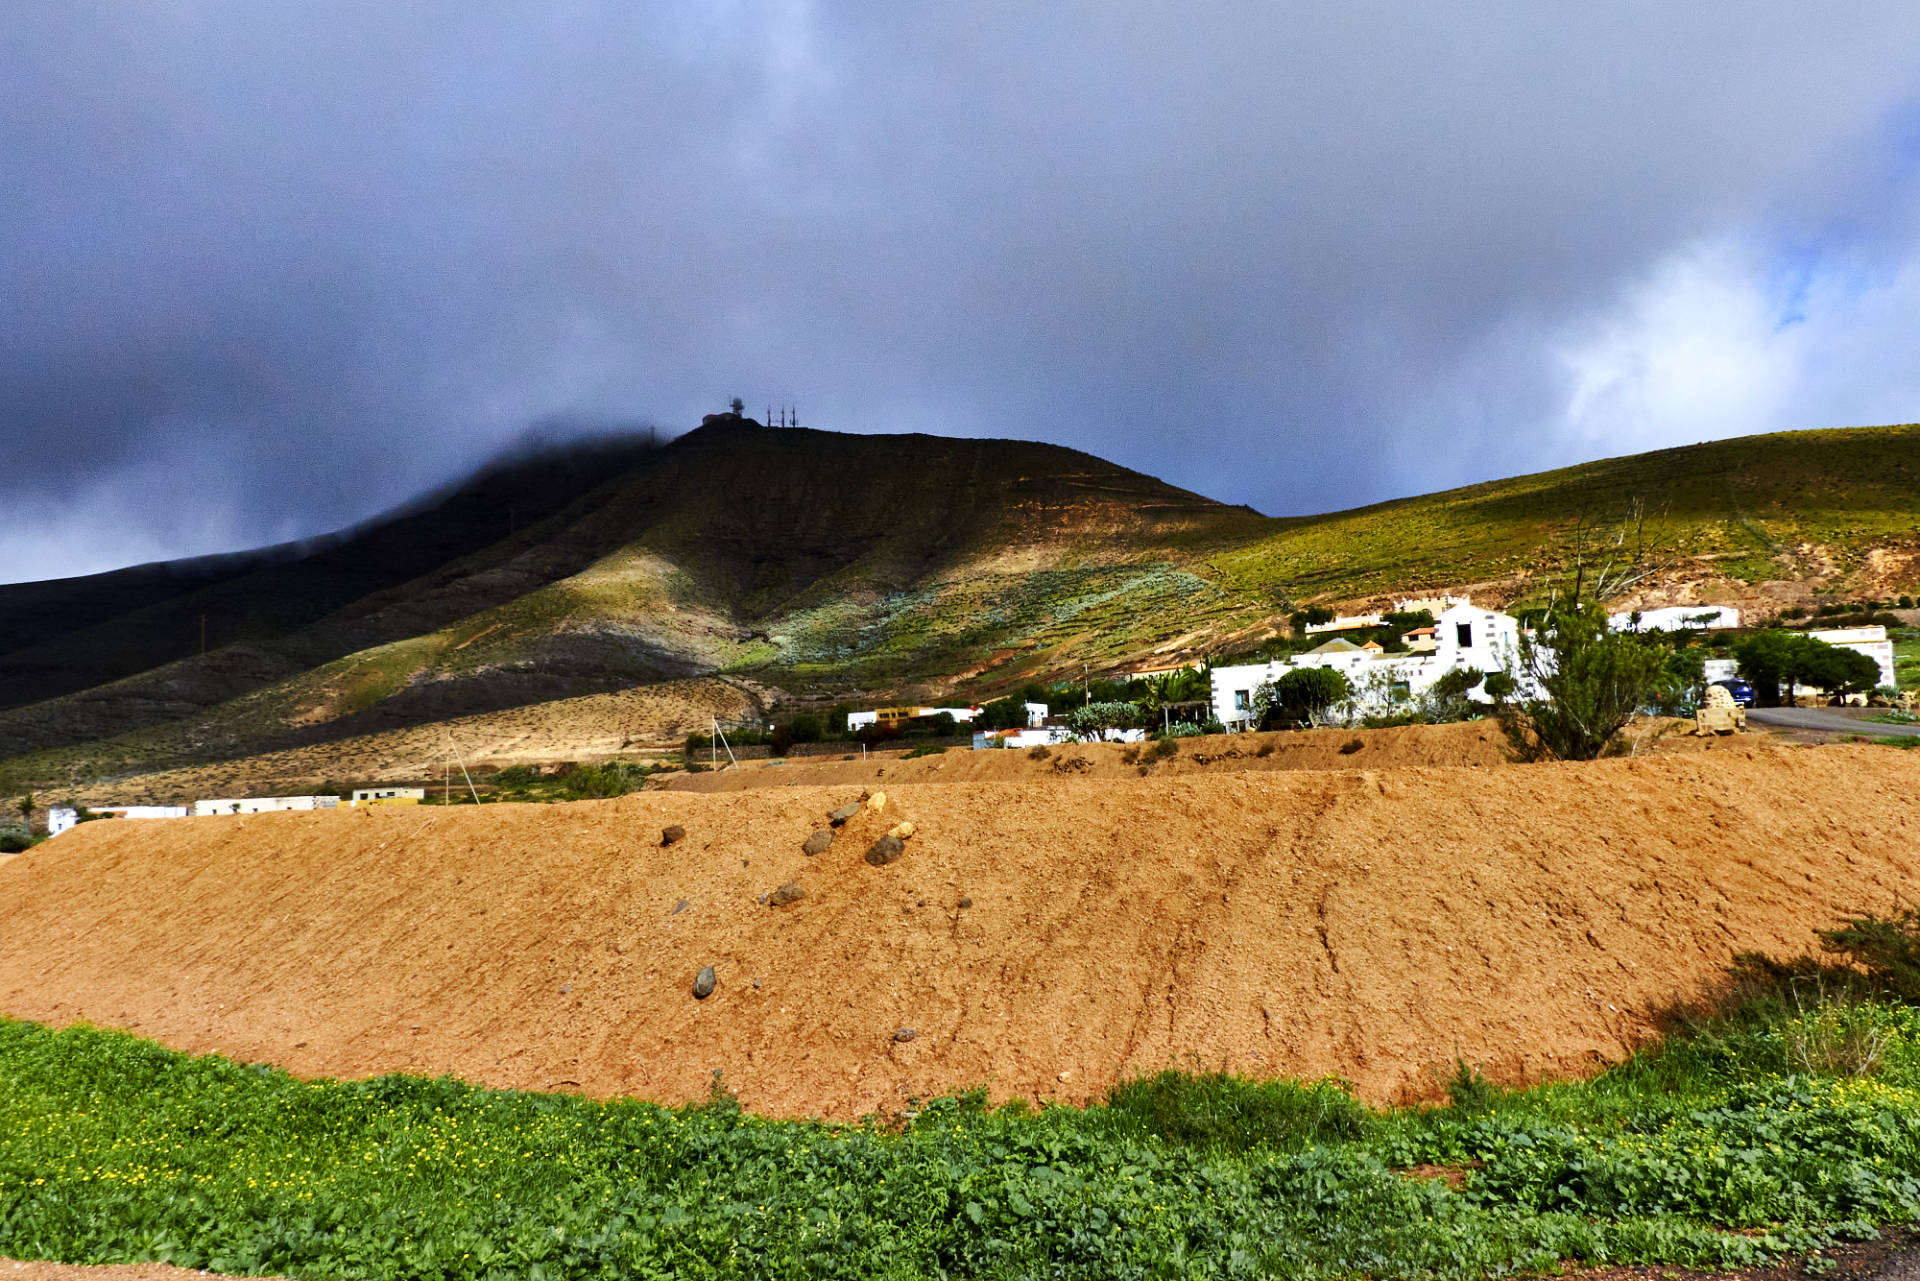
(1743, 1142)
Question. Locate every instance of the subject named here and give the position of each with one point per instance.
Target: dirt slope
(1470, 744)
(1362, 923)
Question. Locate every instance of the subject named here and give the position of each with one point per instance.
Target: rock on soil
(886, 850)
(670, 835)
(788, 893)
(703, 984)
(1360, 923)
(845, 812)
(819, 843)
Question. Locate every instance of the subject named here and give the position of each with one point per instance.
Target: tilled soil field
(1042, 937)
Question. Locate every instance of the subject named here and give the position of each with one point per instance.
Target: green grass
(1752, 1138)
(1906, 658)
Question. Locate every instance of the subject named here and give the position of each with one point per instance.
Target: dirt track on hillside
(1364, 923)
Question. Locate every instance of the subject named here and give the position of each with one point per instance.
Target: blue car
(1741, 691)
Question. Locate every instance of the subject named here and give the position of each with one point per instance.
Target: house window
(1463, 633)
(1400, 691)
(1242, 700)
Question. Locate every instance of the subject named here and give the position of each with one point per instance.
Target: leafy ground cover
(1783, 1128)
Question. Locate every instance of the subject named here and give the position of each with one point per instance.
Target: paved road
(1827, 720)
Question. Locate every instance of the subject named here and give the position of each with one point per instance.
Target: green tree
(1004, 713)
(1836, 670)
(1095, 719)
(25, 806)
(1767, 659)
(1300, 694)
(1590, 681)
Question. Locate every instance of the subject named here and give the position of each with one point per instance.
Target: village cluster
(1461, 638)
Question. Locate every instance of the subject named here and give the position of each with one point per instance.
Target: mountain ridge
(827, 565)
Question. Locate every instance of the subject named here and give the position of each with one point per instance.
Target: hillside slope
(1274, 924)
(841, 566)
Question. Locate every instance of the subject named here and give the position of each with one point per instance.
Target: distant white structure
(1675, 618)
(1435, 605)
(1036, 715)
(263, 804)
(1347, 623)
(388, 796)
(64, 818)
(1034, 736)
(1462, 638)
(1871, 641)
(901, 715)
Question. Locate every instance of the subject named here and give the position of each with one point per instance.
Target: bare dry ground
(1472, 744)
(1042, 936)
(15, 1270)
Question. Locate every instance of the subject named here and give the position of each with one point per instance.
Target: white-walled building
(263, 804)
(64, 818)
(1464, 637)
(901, 715)
(1347, 623)
(1675, 618)
(388, 796)
(1871, 641)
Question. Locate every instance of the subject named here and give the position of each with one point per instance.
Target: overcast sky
(271, 268)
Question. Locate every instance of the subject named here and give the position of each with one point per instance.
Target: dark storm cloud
(270, 268)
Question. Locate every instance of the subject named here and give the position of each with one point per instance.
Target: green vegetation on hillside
(1759, 507)
(1789, 1121)
(825, 563)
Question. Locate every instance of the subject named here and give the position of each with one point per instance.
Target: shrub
(1468, 1090)
(1266, 749)
(1886, 948)
(1163, 748)
(1351, 746)
(14, 841)
(1005, 713)
(1038, 752)
(1221, 1112)
(1302, 694)
(1593, 680)
(1095, 719)
(925, 749)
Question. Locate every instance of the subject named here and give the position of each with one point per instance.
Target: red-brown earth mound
(1361, 923)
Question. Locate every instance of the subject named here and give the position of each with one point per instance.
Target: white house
(901, 715)
(388, 795)
(263, 804)
(1480, 640)
(1033, 736)
(63, 818)
(1871, 641)
(1347, 623)
(1675, 618)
